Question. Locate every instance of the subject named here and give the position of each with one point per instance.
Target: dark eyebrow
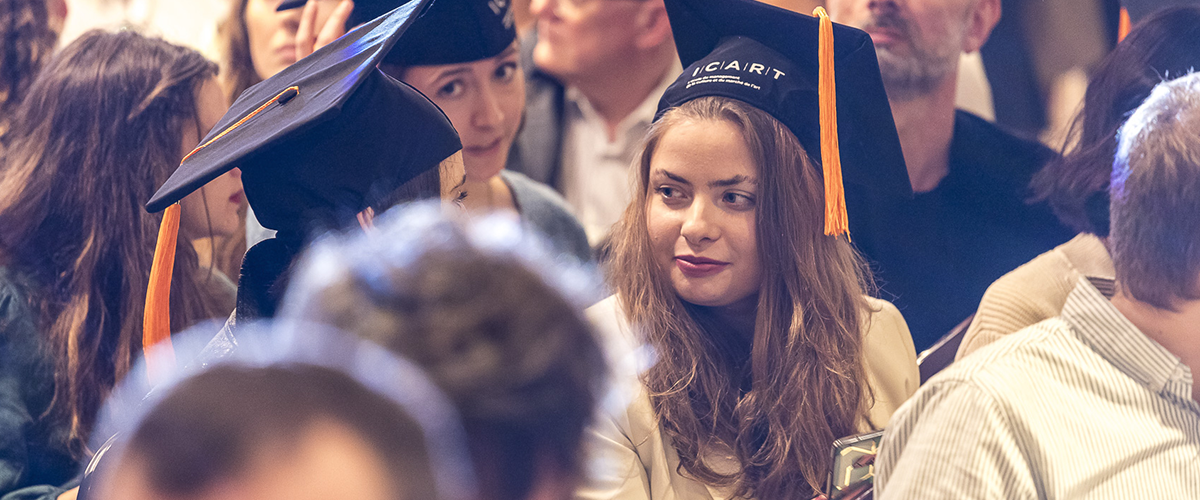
(512, 49)
(732, 181)
(453, 72)
(460, 183)
(673, 177)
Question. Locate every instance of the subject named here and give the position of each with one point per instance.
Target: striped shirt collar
(1100, 325)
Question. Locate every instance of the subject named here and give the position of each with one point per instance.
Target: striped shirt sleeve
(953, 441)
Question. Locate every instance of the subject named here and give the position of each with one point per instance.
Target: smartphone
(853, 472)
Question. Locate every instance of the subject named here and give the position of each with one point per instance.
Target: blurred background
(1029, 77)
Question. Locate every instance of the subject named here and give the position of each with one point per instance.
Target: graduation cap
(448, 32)
(784, 63)
(317, 143)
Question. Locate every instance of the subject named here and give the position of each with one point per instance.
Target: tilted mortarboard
(784, 64)
(317, 143)
(448, 32)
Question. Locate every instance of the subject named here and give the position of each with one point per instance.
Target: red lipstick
(698, 267)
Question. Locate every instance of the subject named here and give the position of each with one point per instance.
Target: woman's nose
(698, 225)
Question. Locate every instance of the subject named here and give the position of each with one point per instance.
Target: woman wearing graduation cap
(463, 55)
(322, 146)
(734, 269)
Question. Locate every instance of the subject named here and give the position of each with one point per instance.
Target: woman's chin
(476, 173)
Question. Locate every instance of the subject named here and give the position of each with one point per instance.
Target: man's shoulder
(1024, 360)
(988, 146)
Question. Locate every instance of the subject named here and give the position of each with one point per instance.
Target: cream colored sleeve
(612, 468)
(891, 361)
(1029, 294)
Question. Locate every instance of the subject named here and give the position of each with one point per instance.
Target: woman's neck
(739, 317)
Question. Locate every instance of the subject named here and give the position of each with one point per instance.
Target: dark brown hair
(780, 399)
(212, 426)
(517, 360)
(1166, 45)
(1155, 191)
(26, 43)
(101, 129)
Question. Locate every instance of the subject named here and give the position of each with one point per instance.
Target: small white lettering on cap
(748, 67)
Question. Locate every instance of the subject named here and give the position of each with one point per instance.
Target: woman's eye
(452, 89)
(462, 196)
(738, 200)
(671, 195)
(506, 71)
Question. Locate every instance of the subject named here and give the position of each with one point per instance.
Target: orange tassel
(156, 319)
(1124, 25)
(836, 220)
(156, 323)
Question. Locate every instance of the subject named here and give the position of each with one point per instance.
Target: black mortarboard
(771, 58)
(448, 32)
(316, 143)
(1141, 9)
(345, 131)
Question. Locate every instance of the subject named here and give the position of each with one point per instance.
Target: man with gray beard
(968, 223)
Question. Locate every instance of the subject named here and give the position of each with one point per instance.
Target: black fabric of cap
(348, 135)
(1141, 9)
(448, 32)
(768, 57)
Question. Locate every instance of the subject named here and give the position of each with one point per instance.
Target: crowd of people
(641, 250)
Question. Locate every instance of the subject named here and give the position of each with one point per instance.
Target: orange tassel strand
(156, 323)
(836, 220)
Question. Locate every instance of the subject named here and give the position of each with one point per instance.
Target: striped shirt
(1079, 406)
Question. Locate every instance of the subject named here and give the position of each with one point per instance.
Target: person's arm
(1027, 295)
(953, 441)
(891, 362)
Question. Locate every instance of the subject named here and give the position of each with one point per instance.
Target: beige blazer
(1035, 291)
(628, 458)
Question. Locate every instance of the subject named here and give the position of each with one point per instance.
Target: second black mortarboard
(448, 32)
(771, 58)
(318, 142)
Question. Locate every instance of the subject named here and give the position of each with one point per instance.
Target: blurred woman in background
(28, 31)
(105, 123)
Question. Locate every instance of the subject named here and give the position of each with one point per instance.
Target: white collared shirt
(597, 178)
(1079, 406)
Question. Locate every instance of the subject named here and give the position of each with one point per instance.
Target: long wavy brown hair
(780, 399)
(101, 129)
